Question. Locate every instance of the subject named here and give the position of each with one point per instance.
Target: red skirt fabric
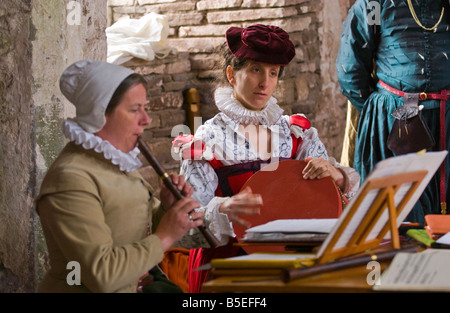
(199, 257)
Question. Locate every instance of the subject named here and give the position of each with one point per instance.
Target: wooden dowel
(347, 262)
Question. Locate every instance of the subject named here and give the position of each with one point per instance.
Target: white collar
(127, 162)
(227, 103)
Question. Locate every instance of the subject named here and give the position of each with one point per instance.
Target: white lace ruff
(227, 103)
(127, 162)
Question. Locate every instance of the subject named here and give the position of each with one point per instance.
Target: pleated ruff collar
(229, 105)
(127, 162)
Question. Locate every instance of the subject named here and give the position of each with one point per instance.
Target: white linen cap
(90, 85)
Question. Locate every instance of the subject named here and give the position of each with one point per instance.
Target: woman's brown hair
(131, 81)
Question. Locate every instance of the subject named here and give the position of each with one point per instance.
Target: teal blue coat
(399, 52)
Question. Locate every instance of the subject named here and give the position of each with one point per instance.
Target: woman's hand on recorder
(180, 218)
(166, 196)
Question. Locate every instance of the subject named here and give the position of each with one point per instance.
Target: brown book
(437, 225)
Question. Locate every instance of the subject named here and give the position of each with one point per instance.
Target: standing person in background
(249, 132)
(94, 206)
(389, 48)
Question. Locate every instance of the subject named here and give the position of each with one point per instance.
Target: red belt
(443, 96)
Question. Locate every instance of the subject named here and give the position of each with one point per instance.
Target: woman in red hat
(249, 131)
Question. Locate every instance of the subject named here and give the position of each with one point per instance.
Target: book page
(313, 225)
(272, 257)
(424, 271)
(444, 240)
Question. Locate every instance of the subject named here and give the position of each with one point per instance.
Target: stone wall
(308, 85)
(38, 41)
(16, 167)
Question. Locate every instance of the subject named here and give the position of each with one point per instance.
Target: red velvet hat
(262, 43)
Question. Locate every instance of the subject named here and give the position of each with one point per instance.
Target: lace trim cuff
(219, 224)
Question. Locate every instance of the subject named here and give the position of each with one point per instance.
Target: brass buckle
(423, 96)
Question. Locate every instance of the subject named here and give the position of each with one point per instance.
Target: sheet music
(385, 216)
(429, 161)
(393, 166)
(426, 271)
(356, 219)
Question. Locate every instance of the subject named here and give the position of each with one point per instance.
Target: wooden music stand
(383, 201)
(360, 229)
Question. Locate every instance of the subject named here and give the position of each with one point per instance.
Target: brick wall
(197, 28)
